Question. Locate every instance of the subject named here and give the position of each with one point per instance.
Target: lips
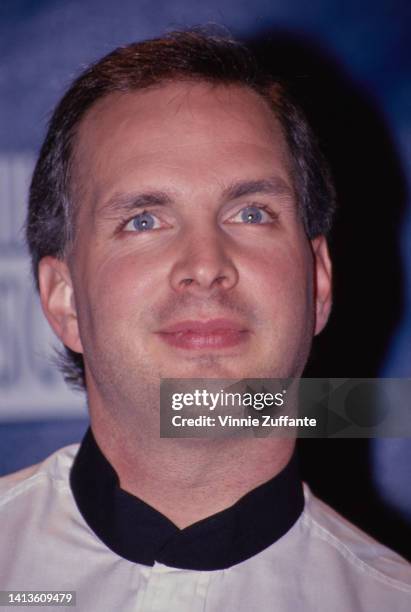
(212, 334)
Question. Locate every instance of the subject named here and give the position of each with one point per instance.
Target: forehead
(181, 129)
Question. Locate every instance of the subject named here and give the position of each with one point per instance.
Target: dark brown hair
(198, 55)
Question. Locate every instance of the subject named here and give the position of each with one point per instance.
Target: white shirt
(321, 563)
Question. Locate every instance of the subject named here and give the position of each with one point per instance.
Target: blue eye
(143, 222)
(251, 214)
(254, 215)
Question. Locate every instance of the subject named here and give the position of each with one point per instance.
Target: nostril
(220, 279)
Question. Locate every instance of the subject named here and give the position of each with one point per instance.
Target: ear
(322, 282)
(57, 300)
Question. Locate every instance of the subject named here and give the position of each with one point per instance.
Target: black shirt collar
(136, 531)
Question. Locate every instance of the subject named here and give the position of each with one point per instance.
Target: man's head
(177, 183)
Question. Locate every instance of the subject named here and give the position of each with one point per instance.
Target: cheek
(115, 291)
(281, 279)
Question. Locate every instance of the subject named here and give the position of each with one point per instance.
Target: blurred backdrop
(349, 63)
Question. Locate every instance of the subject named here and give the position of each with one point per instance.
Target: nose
(204, 264)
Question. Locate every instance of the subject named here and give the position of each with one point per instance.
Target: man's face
(190, 257)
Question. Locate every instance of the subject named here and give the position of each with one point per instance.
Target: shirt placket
(173, 590)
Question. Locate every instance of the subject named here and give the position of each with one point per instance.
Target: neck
(189, 479)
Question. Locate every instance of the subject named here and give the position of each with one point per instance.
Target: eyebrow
(127, 202)
(275, 186)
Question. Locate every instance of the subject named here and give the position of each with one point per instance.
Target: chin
(216, 368)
